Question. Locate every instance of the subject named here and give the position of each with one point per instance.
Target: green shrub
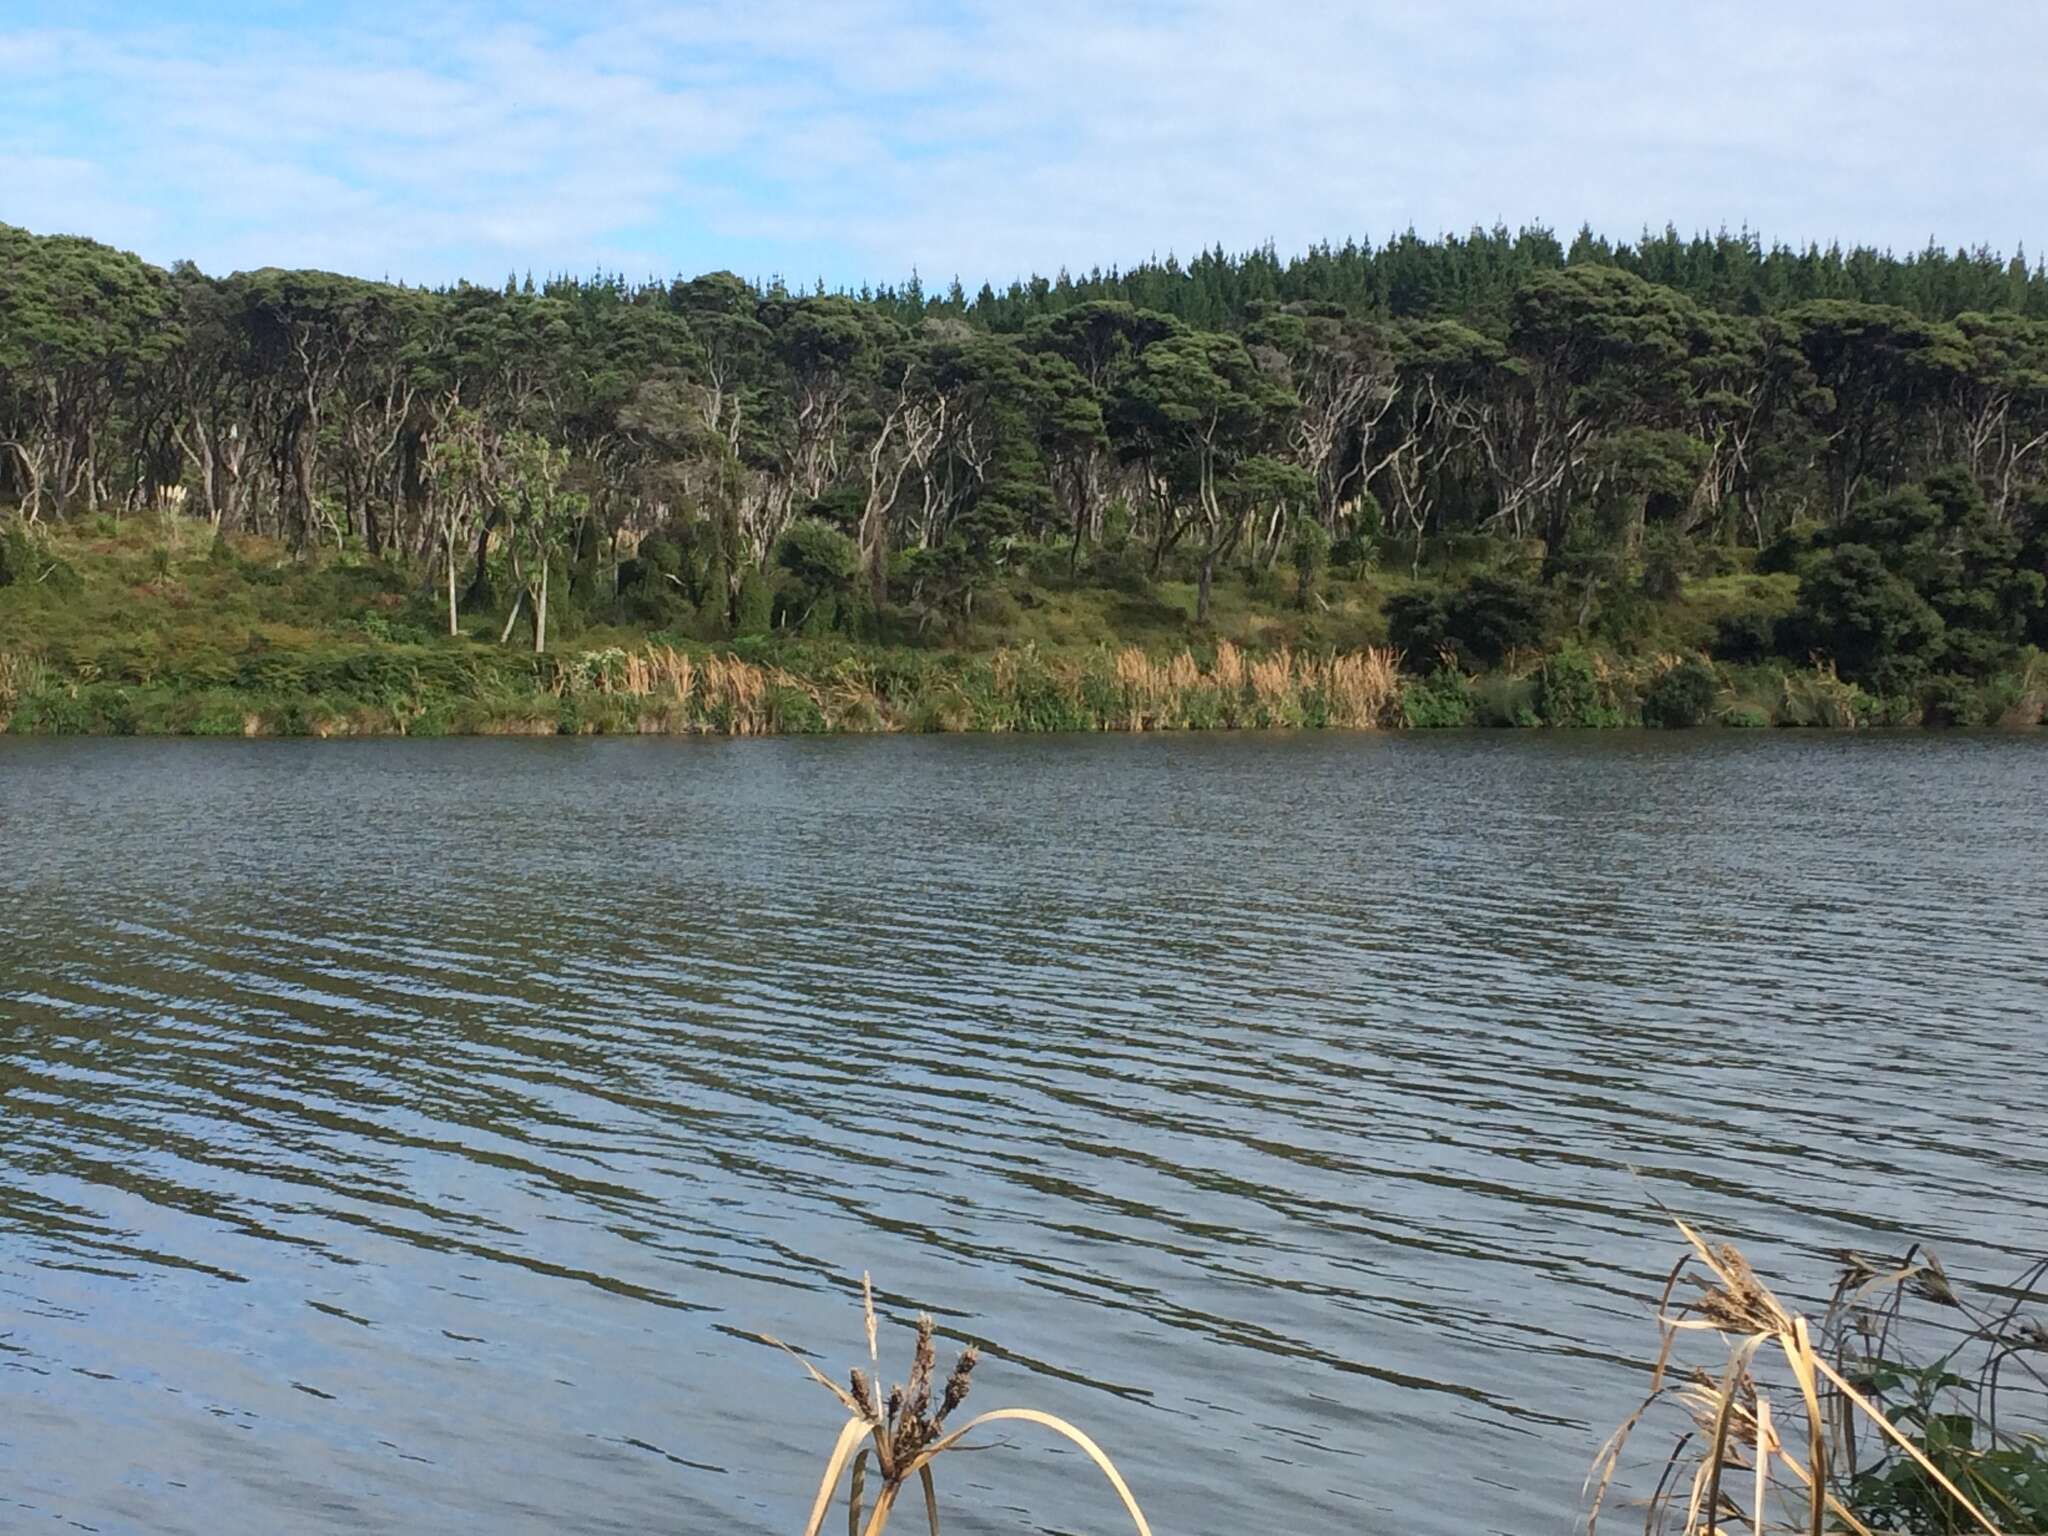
(28, 561)
(1667, 560)
(1570, 694)
(1747, 717)
(1747, 635)
(1354, 556)
(1504, 700)
(1681, 696)
(1441, 701)
(1310, 554)
(1479, 622)
(795, 712)
(1120, 568)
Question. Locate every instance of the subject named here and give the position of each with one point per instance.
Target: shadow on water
(413, 1136)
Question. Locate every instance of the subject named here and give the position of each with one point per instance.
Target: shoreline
(795, 690)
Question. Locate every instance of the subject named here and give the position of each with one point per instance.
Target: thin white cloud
(865, 138)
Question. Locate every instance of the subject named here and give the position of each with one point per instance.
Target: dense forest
(1544, 439)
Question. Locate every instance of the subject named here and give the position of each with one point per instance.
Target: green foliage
(1747, 635)
(1503, 699)
(823, 563)
(754, 607)
(1479, 623)
(28, 561)
(1866, 617)
(1571, 693)
(1310, 554)
(1820, 700)
(1681, 696)
(1668, 558)
(1442, 700)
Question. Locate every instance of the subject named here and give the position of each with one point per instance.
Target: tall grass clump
(1820, 699)
(1902, 1411)
(19, 675)
(907, 1431)
(1349, 690)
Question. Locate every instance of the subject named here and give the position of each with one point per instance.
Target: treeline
(1611, 409)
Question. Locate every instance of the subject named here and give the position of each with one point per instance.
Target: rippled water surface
(412, 1137)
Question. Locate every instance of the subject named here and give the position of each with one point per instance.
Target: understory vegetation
(159, 625)
(1480, 481)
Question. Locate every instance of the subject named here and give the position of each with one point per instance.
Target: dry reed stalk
(1144, 687)
(1735, 1425)
(1273, 677)
(1363, 687)
(1229, 670)
(850, 700)
(740, 689)
(907, 1435)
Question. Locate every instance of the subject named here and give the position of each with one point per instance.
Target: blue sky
(858, 141)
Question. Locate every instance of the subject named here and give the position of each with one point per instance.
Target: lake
(415, 1137)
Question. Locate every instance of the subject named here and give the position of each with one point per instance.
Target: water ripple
(418, 1136)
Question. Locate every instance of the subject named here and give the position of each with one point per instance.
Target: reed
(19, 675)
(908, 1431)
(1793, 1427)
(1010, 690)
(1364, 688)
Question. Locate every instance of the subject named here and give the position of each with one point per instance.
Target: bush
(1499, 699)
(796, 713)
(1667, 561)
(1310, 554)
(1569, 692)
(1441, 701)
(819, 556)
(1120, 568)
(1750, 635)
(1354, 555)
(28, 561)
(1869, 620)
(1681, 697)
(1479, 623)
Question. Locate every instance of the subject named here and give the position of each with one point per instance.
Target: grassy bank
(156, 627)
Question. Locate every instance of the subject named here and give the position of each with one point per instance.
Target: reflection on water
(408, 1137)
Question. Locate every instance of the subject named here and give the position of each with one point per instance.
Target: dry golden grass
(1352, 690)
(1774, 1424)
(1364, 688)
(1229, 670)
(908, 1432)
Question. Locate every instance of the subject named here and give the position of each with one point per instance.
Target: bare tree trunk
(453, 629)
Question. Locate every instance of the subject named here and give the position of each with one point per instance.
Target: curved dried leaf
(851, 1403)
(853, 1495)
(849, 1436)
(1058, 1426)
